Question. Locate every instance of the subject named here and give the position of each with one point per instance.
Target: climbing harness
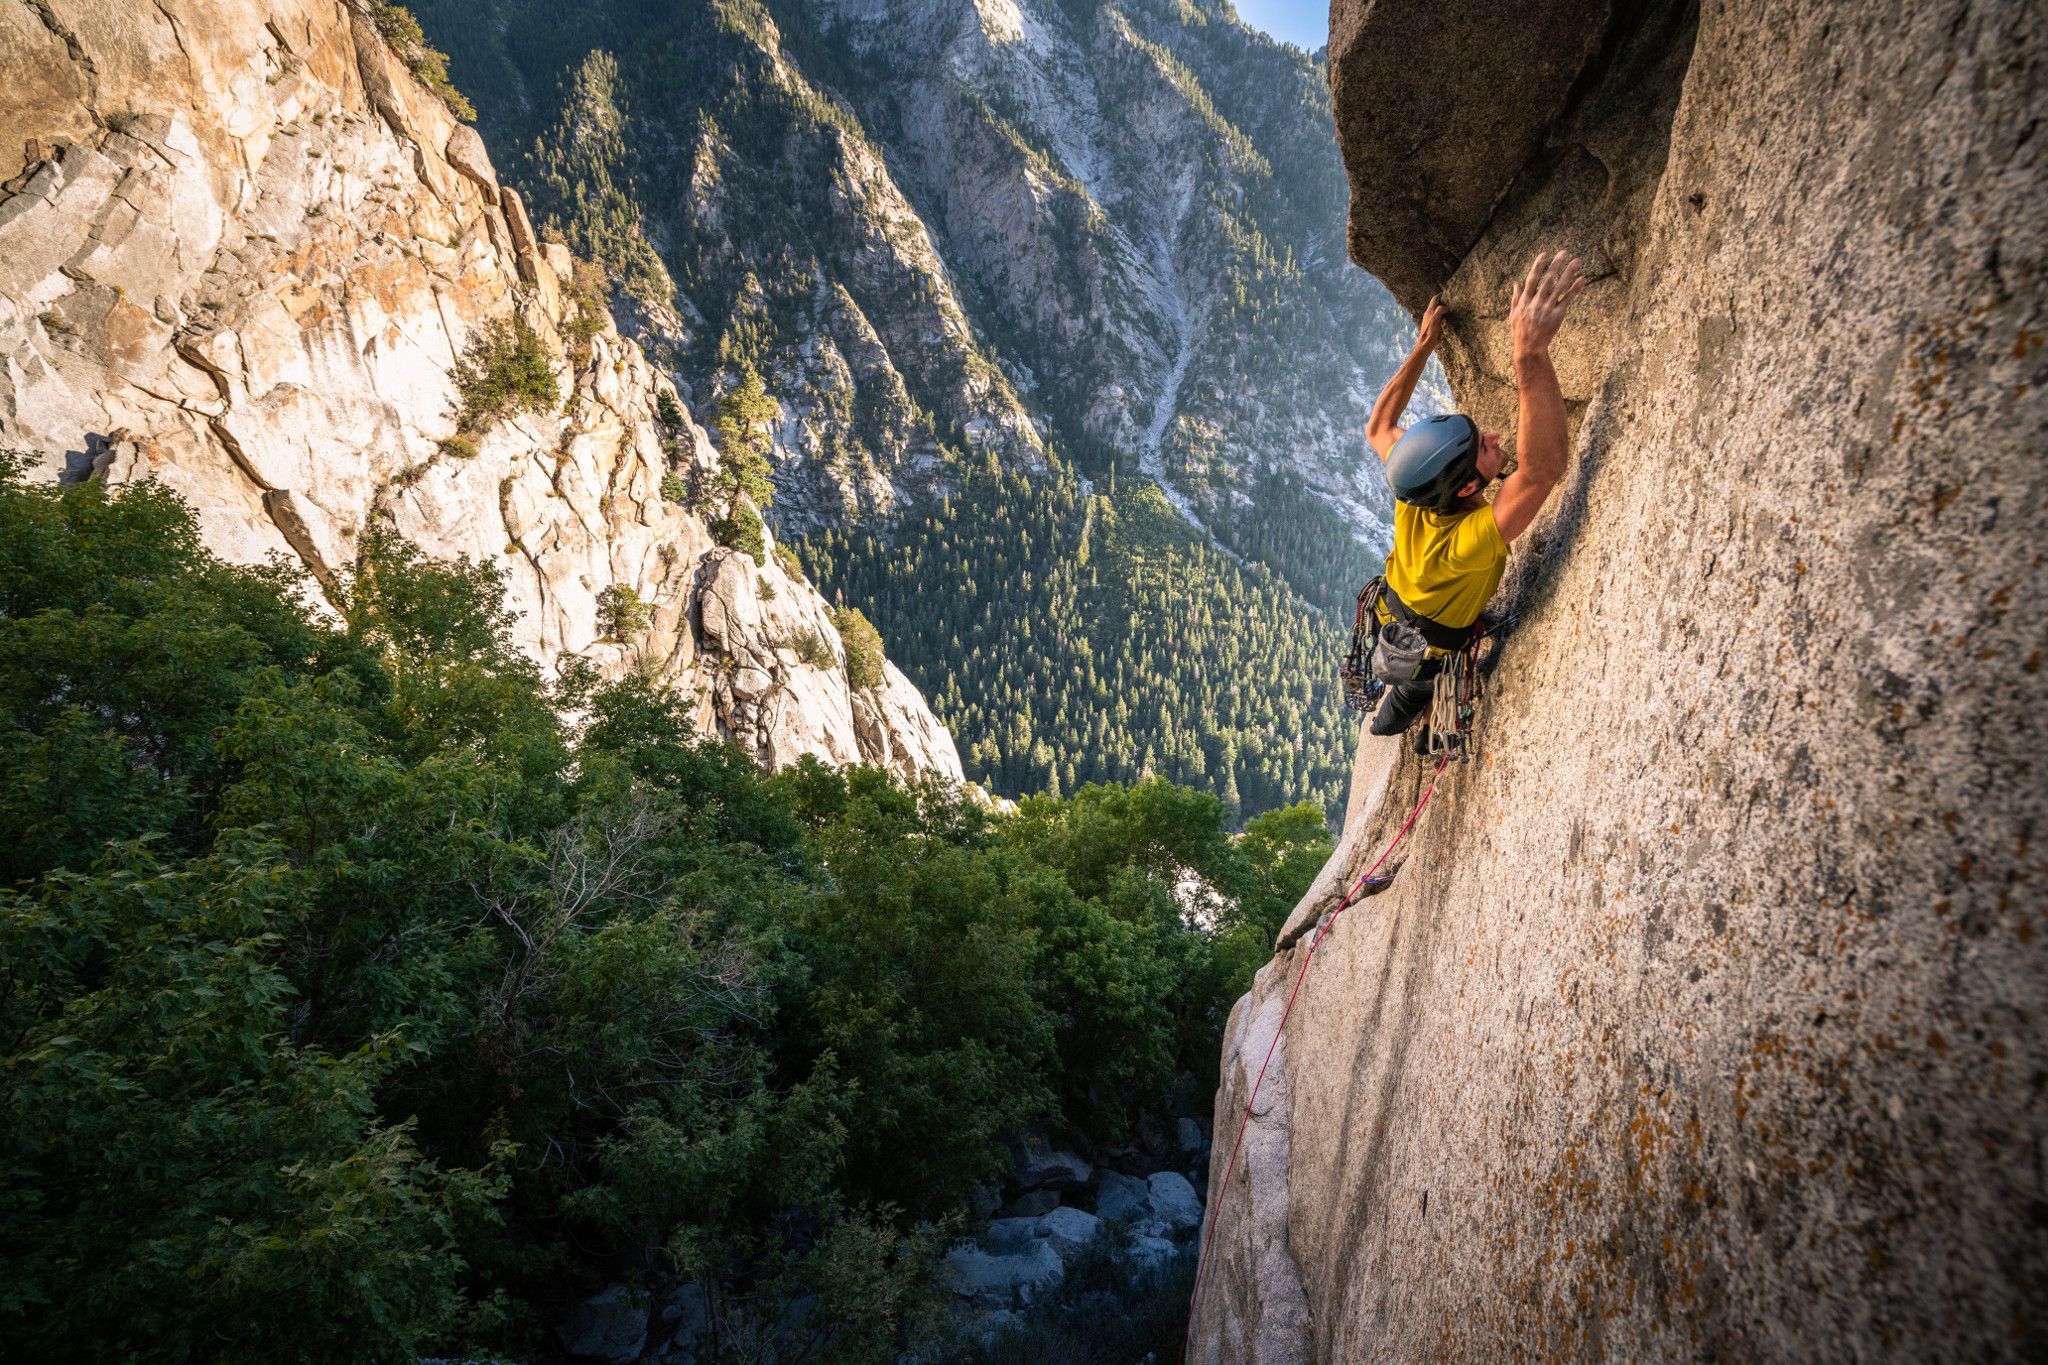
(1399, 649)
(1366, 885)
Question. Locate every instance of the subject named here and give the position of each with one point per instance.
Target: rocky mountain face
(947, 227)
(243, 250)
(1704, 1017)
(999, 264)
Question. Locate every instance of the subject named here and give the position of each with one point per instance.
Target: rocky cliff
(975, 225)
(1704, 1017)
(242, 248)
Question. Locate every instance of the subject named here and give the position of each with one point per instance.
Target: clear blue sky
(1305, 23)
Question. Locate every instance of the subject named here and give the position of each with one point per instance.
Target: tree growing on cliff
(505, 369)
(403, 35)
(746, 416)
(863, 647)
(621, 613)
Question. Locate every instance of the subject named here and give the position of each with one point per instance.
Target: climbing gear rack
(1361, 689)
(1455, 702)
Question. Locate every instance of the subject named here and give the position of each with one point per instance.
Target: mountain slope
(948, 232)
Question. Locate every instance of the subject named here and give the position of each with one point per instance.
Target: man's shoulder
(1478, 532)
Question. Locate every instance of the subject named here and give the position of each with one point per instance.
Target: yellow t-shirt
(1445, 565)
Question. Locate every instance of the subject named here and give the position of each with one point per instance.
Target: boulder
(1189, 1134)
(1123, 1197)
(1012, 1234)
(1153, 1138)
(1038, 1166)
(1174, 1202)
(1000, 1280)
(1031, 1204)
(681, 1309)
(1149, 1253)
(610, 1326)
(465, 152)
(1068, 1230)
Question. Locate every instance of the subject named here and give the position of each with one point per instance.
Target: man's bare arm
(1383, 428)
(1539, 306)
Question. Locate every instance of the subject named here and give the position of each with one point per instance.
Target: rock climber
(1450, 543)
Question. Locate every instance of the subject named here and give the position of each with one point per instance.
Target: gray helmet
(1433, 460)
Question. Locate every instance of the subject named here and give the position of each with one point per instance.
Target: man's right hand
(1540, 301)
(1539, 307)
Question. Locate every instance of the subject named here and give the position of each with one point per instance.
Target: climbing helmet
(1433, 460)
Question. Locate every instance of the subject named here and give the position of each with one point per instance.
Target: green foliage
(457, 447)
(1066, 638)
(1292, 529)
(740, 485)
(620, 612)
(668, 412)
(505, 369)
(1105, 1311)
(740, 529)
(746, 416)
(586, 289)
(675, 488)
(813, 650)
(430, 68)
(359, 1009)
(863, 645)
(791, 564)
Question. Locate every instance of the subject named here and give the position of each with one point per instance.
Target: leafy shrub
(505, 369)
(402, 33)
(668, 412)
(863, 644)
(675, 488)
(791, 565)
(812, 649)
(621, 613)
(458, 447)
(586, 289)
(740, 529)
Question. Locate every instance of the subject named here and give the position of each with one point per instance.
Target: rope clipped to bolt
(1323, 927)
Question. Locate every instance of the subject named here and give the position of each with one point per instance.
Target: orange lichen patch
(391, 282)
(307, 305)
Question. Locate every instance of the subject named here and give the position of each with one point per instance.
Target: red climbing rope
(1322, 931)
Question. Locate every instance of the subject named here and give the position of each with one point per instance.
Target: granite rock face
(1704, 1018)
(241, 249)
